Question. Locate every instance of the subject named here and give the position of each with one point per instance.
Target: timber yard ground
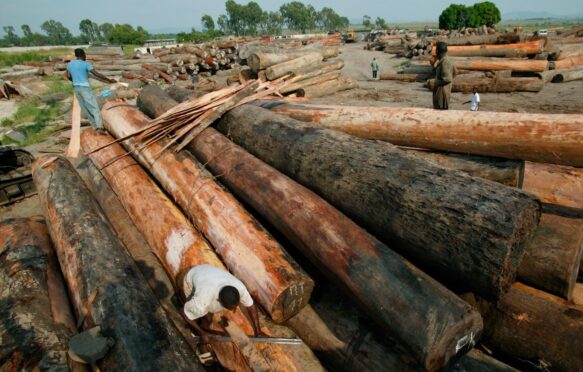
(553, 98)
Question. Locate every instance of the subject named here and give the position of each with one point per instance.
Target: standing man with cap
(444, 74)
(375, 68)
(78, 72)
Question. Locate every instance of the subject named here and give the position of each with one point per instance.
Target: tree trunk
(504, 171)
(498, 50)
(156, 70)
(543, 334)
(152, 101)
(507, 38)
(270, 274)
(37, 321)
(328, 87)
(493, 85)
(106, 286)
(568, 51)
(419, 70)
(392, 290)
(316, 70)
(552, 260)
(405, 77)
(260, 60)
(394, 194)
(178, 94)
(554, 184)
(563, 76)
(281, 69)
(566, 63)
(546, 138)
(136, 245)
(500, 64)
(334, 75)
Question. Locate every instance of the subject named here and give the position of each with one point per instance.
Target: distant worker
(444, 73)
(78, 73)
(209, 290)
(475, 100)
(375, 68)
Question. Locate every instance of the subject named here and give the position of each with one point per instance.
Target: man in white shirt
(475, 100)
(209, 290)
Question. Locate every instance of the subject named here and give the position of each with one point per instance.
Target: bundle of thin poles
(184, 122)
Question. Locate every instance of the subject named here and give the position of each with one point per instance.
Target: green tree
(366, 21)
(125, 34)
(298, 16)
(207, 23)
(57, 34)
(223, 23)
(89, 30)
(26, 31)
(105, 30)
(487, 13)
(380, 23)
(11, 36)
(453, 17)
(252, 17)
(272, 23)
(328, 19)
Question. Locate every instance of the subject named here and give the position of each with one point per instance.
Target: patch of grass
(6, 122)
(38, 117)
(402, 64)
(16, 58)
(128, 50)
(57, 84)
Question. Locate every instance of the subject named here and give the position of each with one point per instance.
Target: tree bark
(545, 138)
(178, 94)
(568, 51)
(328, 87)
(542, 333)
(464, 84)
(334, 75)
(405, 77)
(504, 171)
(507, 38)
(37, 321)
(566, 63)
(500, 64)
(106, 286)
(260, 61)
(153, 100)
(316, 70)
(394, 195)
(281, 69)
(393, 291)
(270, 274)
(552, 260)
(497, 50)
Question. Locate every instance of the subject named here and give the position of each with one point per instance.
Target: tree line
(457, 16)
(55, 33)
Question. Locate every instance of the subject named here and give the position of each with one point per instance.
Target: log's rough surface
(554, 184)
(269, 273)
(497, 50)
(465, 230)
(545, 138)
(551, 262)
(499, 64)
(394, 292)
(36, 321)
(465, 84)
(543, 333)
(106, 286)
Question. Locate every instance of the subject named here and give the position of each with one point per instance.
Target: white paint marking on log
(176, 244)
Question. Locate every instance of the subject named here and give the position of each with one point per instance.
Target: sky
(176, 15)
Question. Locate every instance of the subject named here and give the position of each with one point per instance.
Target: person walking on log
(444, 74)
(78, 73)
(475, 100)
(375, 68)
(208, 290)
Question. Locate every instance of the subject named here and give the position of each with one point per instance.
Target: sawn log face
(467, 231)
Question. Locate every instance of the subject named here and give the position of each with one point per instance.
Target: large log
(533, 328)
(554, 184)
(315, 70)
(552, 260)
(567, 63)
(105, 285)
(281, 69)
(321, 78)
(565, 75)
(270, 274)
(394, 194)
(179, 94)
(516, 50)
(346, 340)
(504, 171)
(260, 61)
(37, 321)
(405, 77)
(465, 84)
(134, 242)
(500, 64)
(507, 38)
(546, 138)
(328, 87)
(394, 292)
(568, 51)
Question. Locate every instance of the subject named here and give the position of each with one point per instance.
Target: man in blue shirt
(78, 72)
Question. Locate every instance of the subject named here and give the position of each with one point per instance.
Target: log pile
(416, 257)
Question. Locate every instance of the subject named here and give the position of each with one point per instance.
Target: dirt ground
(554, 98)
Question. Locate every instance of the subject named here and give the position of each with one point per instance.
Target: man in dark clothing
(444, 74)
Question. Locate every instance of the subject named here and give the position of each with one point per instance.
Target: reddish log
(497, 50)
